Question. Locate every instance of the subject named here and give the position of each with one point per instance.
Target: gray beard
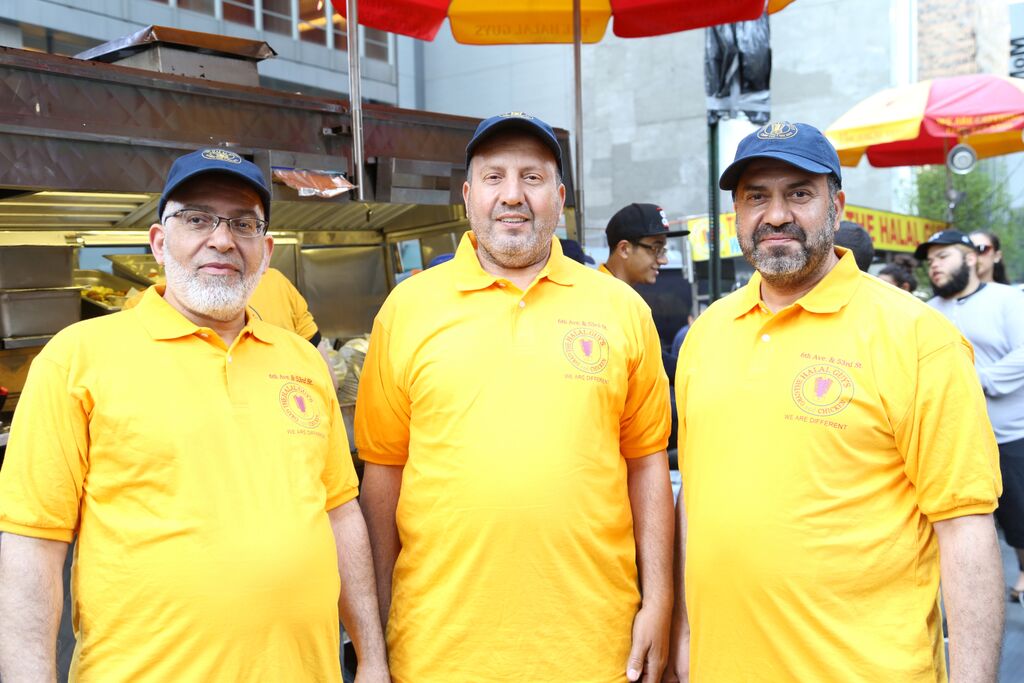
(221, 299)
(782, 268)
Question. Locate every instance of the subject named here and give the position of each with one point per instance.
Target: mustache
(791, 230)
(520, 209)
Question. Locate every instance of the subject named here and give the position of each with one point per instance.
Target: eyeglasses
(982, 248)
(658, 252)
(203, 223)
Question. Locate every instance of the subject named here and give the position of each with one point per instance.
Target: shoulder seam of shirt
(921, 359)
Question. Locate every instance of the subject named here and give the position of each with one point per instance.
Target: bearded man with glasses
(218, 533)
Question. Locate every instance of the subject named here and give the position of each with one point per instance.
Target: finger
(635, 663)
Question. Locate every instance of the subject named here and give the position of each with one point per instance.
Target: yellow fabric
(484, 22)
(817, 446)
(197, 478)
(518, 557)
(275, 300)
(603, 268)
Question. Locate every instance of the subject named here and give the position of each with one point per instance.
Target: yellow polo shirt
(603, 268)
(817, 447)
(275, 300)
(509, 411)
(198, 479)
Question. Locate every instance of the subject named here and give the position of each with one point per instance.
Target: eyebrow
(792, 186)
(209, 209)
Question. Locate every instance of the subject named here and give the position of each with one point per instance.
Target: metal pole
(714, 260)
(577, 40)
(355, 98)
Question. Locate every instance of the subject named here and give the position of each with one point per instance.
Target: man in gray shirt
(991, 317)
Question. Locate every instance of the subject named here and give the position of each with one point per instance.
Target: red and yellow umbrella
(486, 22)
(919, 123)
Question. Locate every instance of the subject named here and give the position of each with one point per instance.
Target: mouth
(513, 220)
(220, 269)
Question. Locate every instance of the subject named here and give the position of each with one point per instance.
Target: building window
(277, 16)
(340, 32)
(55, 42)
(201, 6)
(376, 44)
(240, 11)
(312, 21)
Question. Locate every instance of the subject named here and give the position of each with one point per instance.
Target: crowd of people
(843, 447)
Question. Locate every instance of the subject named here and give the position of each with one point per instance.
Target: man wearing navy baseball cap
(215, 513)
(637, 235)
(513, 417)
(836, 456)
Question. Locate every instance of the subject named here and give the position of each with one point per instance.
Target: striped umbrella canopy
(919, 123)
(486, 22)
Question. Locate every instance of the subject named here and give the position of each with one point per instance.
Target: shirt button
(229, 359)
(522, 304)
(765, 337)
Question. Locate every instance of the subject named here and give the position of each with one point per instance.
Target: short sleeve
(646, 416)
(339, 475)
(382, 405)
(47, 456)
(946, 439)
(302, 319)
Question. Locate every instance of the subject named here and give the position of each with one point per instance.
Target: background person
(637, 237)
(991, 267)
(834, 447)
(989, 314)
(509, 547)
(900, 273)
(218, 532)
(855, 238)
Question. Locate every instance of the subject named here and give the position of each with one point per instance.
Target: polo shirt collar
(470, 275)
(828, 296)
(164, 322)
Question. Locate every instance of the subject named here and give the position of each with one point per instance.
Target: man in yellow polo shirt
(513, 415)
(837, 460)
(199, 456)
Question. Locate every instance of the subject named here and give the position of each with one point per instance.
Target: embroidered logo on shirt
(299, 405)
(586, 349)
(822, 389)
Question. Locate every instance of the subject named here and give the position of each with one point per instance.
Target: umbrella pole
(578, 103)
(714, 259)
(355, 98)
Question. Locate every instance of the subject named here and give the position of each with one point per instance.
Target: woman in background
(990, 257)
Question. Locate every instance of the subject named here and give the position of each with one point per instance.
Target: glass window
(312, 22)
(376, 44)
(203, 6)
(340, 32)
(240, 12)
(277, 16)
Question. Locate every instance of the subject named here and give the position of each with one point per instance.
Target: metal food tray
(37, 312)
(99, 278)
(137, 267)
(30, 266)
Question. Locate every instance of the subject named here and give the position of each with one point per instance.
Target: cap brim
(263, 192)
(731, 176)
(675, 233)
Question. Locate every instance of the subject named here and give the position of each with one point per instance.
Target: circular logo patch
(777, 130)
(586, 349)
(221, 155)
(298, 404)
(822, 389)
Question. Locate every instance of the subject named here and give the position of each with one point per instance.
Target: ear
(840, 204)
(623, 248)
(465, 195)
(270, 251)
(157, 236)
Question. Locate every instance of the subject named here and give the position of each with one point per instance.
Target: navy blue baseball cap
(215, 160)
(942, 238)
(799, 144)
(515, 120)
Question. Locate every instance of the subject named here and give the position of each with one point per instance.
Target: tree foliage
(985, 206)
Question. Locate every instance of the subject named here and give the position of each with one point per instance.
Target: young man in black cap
(637, 235)
(990, 315)
(834, 446)
(213, 514)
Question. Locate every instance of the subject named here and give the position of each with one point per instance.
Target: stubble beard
(956, 283)
(780, 266)
(221, 298)
(512, 251)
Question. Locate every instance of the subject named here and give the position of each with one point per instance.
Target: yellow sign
(889, 231)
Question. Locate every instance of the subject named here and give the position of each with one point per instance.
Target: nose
(777, 212)
(662, 259)
(512, 191)
(221, 238)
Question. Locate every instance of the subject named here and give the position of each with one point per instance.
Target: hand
(650, 644)
(678, 669)
(372, 672)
